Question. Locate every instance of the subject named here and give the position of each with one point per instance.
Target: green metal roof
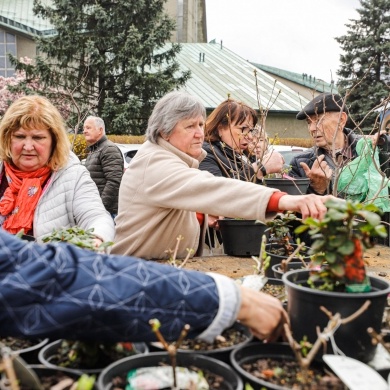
(216, 72)
(18, 15)
(304, 79)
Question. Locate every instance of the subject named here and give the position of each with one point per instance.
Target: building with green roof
(216, 71)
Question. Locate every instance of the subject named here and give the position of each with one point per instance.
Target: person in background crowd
(230, 130)
(164, 188)
(334, 144)
(43, 186)
(104, 163)
(235, 147)
(62, 291)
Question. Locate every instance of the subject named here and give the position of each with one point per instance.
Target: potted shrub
(218, 374)
(273, 366)
(86, 357)
(281, 268)
(281, 244)
(220, 348)
(180, 370)
(17, 374)
(283, 366)
(339, 281)
(25, 348)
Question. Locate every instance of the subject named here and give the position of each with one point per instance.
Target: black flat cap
(325, 102)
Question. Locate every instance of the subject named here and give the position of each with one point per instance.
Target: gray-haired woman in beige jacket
(162, 189)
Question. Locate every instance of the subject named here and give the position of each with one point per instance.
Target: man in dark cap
(335, 145)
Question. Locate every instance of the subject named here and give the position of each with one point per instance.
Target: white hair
(99, 122)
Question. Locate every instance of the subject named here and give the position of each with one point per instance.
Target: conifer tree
(112, 54)
(365, 63)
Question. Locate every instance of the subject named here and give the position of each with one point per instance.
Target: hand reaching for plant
(308, 205)
(262, 314)
(213, 221)
(97, 242)
(79, 237)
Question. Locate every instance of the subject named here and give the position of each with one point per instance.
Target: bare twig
(335, 321)
(285, 262)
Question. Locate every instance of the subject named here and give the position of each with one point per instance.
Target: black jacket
(311, 155)
(221, 160)
(105, 164)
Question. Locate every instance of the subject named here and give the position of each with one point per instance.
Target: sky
(294, 35)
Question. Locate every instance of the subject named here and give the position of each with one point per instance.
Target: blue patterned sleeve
(61, 291)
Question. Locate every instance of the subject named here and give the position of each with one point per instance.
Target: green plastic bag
(360, 180)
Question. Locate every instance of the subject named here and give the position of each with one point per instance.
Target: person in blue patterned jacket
(62, 291)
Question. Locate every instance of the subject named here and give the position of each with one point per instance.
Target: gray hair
(169, 110)
(99, 122)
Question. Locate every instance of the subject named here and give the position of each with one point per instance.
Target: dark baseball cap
(324, 102)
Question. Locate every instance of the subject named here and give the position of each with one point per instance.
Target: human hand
(374, 137)
(320, 174)
(273, 162)
(308, 205)
(97, 242)
(213, 221)
(262, 314)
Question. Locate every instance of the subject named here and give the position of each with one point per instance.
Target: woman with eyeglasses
(236, 145)
(162, 189)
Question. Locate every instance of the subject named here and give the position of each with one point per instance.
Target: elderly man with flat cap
(335, 145)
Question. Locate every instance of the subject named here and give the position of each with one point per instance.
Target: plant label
(254, 282)
(355, 374)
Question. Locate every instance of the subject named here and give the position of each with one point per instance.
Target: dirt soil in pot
(286, 373)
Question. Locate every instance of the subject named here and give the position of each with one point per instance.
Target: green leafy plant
(77, 236)
(280, 228)
(91, 354)
(340, 239)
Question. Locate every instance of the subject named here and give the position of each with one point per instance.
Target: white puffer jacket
(71, 198)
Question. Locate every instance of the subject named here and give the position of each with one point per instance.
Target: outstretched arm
(62, 291)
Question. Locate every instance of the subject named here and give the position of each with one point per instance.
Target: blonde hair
(35, 112)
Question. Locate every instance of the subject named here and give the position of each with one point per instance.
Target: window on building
(7, 46)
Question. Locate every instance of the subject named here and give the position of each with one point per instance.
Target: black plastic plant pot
(297, 186)
(276, 258)
(232, 381)
(275, 281)
(242, 237)
(222, 354)
(292, 265)
(47, 356)
(39, 374)
(254, 351)
(30, 354)
(352, 338)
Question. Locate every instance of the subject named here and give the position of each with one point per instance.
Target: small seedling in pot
(170, 348)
